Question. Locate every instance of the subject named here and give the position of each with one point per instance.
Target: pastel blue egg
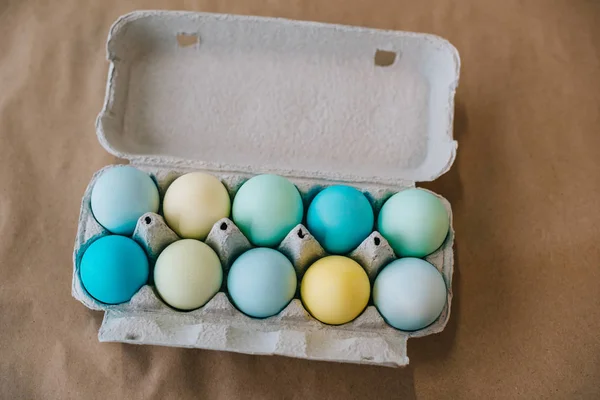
(409, 293)
(414, 222)
(340, 218)
(261, 282)
(113, 269)
(266, 208)
(120, 196)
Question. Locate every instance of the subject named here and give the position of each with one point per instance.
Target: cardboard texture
(523, 189)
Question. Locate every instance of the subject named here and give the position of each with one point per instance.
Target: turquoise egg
(414, 222)
(340, 218)
(261, 282)
(113, 269)
(266, 208)
(120, 196)
(409, 293)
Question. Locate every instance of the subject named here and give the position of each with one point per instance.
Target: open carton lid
(255, 95)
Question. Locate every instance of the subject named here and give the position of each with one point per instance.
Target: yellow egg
(193, 203)
(335, 290)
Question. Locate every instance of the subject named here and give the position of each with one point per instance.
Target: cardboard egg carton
(237, 96)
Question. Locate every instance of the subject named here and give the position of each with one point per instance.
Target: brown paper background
(525, 190)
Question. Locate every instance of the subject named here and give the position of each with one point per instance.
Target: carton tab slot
(187, 39)
(384, 58)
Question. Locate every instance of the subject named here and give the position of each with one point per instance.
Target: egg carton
(220, 326)
(237, 96)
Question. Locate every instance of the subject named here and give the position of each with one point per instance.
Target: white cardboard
(259, 94)
(253, 95)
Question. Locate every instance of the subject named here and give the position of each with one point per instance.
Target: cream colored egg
(188, 274)
(193, 203)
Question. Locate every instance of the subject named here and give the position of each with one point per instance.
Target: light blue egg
(340, 218)
(266, 208)
(261, 282)
(113, 269)
(120, 196)
(414, 222)
(409, 293)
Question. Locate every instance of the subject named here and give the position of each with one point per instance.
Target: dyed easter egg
(261, 282)
(120, 196)
(266, 208)
(340, 218)
(187, 274)
(335, 290)
(193, 203)
(113, 268)
(414, 222)
(409, 293)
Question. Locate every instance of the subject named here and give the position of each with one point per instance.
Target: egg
(113, 268)
(120, 196)
(266, 208)
(335, 290)
(414, 222)
(187, 274)
(340, 218)
(193, 203)
(409, 293)
(261, 282)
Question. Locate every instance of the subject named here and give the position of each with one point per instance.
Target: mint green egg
(414, 222)
(266, 208)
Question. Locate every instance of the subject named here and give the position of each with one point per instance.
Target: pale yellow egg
(188, 274)
(335, 290)
(193, 203)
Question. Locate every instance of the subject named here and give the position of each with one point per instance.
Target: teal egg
(340, 218)
(414, 222)
(261, 282)
(120, 196)
(113, 269)
(266, 208)
(410, 294)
